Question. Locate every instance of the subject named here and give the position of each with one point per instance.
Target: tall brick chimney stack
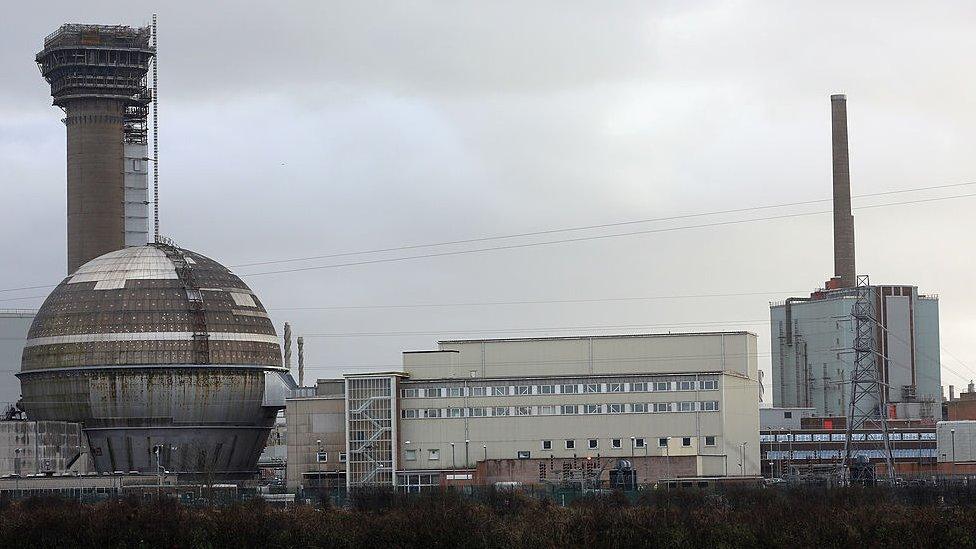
(844, 269)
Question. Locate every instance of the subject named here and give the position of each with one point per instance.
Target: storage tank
(166, 358)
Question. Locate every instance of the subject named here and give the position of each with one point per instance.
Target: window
(803, 438)
(568, 389)
(547, 445)
(767, 438)
(570, 444)
(455, 412)
(410, 455)
(785, 438)
(662, 442)
(662, 385)
(478, 391)
(547, 389)
(523, 390)
(479, 412)
(894, 436)
(638, 387)
(710, 406)
(686, 441)
(615, 387)
(638, 443)
(909, 436)
(547, 410)
(409, 414)
(638, 408)
(433, 392)
(709, 441)
(499, 390)
(615, 443)
(593, 444)
(927, 436)
(500, 411)
(821, 437)
(592, 408)
(321, 456)
(686, 385)
(857, 436)
(615, 408)
(591, 388)
(410, 393)
(523, 454)
(787, 415)
(432, 412)
(709, 385)
(837, 437)
(455, 391)
(569, 409)
(342, 457)
(434, 454)
(662, 406)
(523, 410)
(686, 406)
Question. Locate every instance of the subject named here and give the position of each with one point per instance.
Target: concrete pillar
(96, 187)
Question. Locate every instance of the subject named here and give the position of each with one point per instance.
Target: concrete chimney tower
(844, 269)
(98, 76)
(301, 361)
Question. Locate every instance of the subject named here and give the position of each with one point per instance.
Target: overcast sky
(292, 129)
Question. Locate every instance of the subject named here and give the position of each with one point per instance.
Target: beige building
(543, 410)
(316, 438)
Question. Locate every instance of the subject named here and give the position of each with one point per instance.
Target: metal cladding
(98, 76)
(157, 346)
(844, 268)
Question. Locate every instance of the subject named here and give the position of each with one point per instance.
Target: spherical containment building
(165, 357)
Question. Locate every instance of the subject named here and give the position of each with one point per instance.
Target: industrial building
(37, 448)
(813, 338)
(98, 77)
(164, 356)
(539, 410)
(797, 443)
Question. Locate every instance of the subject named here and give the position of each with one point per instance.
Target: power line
(589, 238)
(531, 302)
(580, 239)
(589, 227)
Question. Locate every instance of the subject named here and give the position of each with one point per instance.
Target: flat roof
(582, 337)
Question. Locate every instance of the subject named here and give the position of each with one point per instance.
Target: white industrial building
(544, 410)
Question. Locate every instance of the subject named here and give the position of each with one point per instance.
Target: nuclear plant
(165, 357)
(812, 336)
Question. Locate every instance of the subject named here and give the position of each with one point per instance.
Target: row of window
(560, 409)
(840, 437)
(836, 454)
(434, 454)
(561, 389)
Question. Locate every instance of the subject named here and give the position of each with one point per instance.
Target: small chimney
(288, 346)
(952, 393)
(301, 361)
(844, 268)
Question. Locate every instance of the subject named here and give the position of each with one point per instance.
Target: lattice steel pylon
(869, 400)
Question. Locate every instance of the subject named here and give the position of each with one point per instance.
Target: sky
(296, 129)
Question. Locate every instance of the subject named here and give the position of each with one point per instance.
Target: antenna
(155, 111)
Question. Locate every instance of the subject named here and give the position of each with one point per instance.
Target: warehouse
(551, 410)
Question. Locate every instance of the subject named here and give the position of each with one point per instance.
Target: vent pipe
(288, 346)
(301, 361)
(844, 269)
